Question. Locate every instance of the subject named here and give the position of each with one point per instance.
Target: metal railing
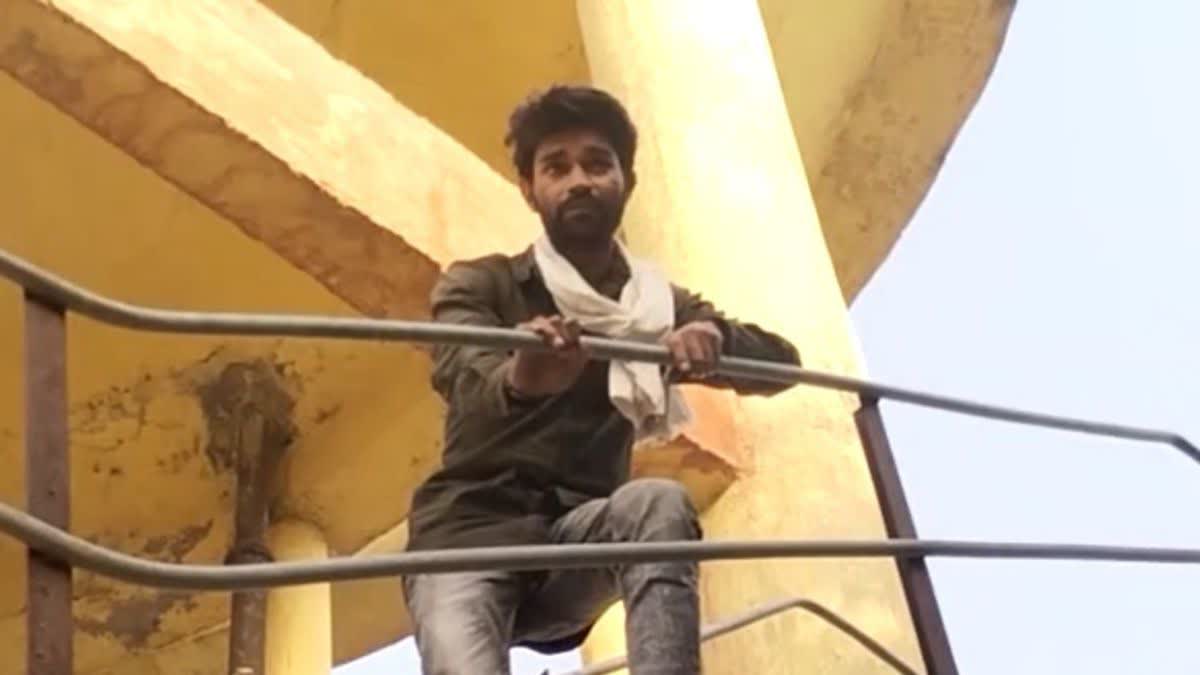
(58, 291)
(762, 613)
(63, 293)
(53, 552)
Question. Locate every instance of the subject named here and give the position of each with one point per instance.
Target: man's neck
(594, 263)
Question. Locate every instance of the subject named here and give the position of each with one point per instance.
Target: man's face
(577, 187)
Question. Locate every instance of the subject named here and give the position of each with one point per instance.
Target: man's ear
(527, 192)
(630, 183)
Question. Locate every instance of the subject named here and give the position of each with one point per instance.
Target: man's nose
(579, 183)
(580, 188)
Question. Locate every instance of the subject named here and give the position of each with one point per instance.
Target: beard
(583, 221)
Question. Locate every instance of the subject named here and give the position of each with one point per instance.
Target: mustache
(588, 201)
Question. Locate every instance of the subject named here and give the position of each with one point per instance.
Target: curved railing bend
(767, 611)
(48, 294)
(51, 287)
(83, 554)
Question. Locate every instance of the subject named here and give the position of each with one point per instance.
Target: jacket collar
(523, 266)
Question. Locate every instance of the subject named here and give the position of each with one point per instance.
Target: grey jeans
(466, 621)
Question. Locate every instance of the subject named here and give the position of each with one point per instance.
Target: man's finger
(700, 353)
(714, 342)
(559, 332)
(679, 353)
(543, 328)
(718, 338)
(572, 331)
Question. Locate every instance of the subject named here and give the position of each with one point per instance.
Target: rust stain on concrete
(175, 546)
(705, 473)
(132, 621)
(258, 384)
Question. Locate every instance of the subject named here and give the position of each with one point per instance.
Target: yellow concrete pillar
(607, 638)
(299, 618)
(724, 204)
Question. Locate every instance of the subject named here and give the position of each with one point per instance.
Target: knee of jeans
(441, 604)
(459, 626)
(655, 509)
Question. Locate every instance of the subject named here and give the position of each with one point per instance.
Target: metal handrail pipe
(51, 287)
(83, 554)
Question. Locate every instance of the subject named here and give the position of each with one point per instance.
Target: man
(538, 442)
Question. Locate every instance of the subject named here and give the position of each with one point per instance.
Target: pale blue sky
(1052, 266)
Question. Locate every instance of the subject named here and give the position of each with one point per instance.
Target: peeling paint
(705, 473)
(108, 420)
(326, 414)
(174, 547)
(706, 462)
(132, 621)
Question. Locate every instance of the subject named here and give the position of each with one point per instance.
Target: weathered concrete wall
(726, 214)
(209, 155)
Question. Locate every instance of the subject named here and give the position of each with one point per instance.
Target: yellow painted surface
(200, 653)
(723, 213)
(208, 155)
(461, 63)
(255, 120)
(607, 638)
(299, 632)
(369, 613)
(149, 476)
(877, 91)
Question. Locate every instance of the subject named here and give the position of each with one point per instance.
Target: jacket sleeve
(742, 340)
(469, 376)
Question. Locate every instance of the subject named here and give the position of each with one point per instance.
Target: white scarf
(645, 313)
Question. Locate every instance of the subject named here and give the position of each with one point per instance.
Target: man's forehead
(573, 140)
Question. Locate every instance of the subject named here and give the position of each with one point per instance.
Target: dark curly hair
(563, 107)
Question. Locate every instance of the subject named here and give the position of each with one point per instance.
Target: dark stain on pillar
(248, 411)
(224, 400)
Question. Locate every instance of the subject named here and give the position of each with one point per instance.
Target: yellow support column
(724, 204)
(299, 618)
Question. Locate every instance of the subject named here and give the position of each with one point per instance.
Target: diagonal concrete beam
(898, 123)
(254, 119)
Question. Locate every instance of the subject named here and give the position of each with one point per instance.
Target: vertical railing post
(257, 410)
(47, 485)
(897, 517)
(248, 609)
